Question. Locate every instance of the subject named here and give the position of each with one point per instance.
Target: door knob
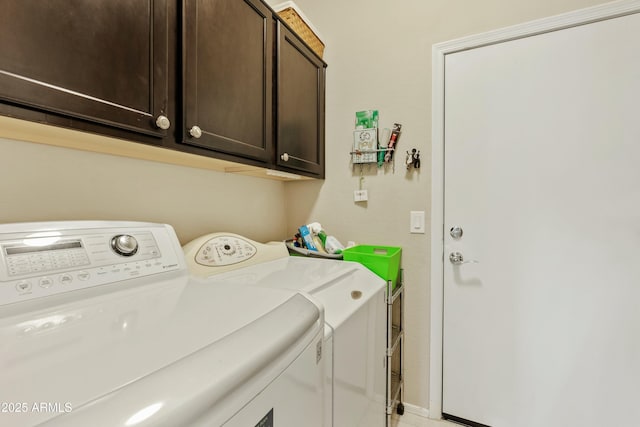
(457, 258)
(285, 157)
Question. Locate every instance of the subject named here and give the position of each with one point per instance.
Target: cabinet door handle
(195, 132)
(456, 258)
(285, 157)
(163, 122)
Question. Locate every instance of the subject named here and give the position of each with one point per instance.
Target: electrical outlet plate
(360, 196)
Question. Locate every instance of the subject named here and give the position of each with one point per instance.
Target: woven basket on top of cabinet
(297, 24)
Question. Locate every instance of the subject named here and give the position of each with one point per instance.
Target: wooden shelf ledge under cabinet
(22, 130)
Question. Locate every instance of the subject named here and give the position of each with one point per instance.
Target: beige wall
(379, 56)
(43, 183)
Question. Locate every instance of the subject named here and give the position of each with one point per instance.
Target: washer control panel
(25, 257)
(221, 252)
(43, 259)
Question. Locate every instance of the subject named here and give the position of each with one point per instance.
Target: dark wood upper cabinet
(228, 77)
(220, 78)
(101, 61)
(300, 100)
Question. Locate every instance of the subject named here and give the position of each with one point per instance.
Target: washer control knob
(195, 132)
(124, 245)
(163, 122)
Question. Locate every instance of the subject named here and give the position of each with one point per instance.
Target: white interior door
(542, 173)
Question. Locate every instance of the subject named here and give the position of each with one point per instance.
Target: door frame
(439, 52)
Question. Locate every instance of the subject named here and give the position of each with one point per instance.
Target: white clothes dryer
(100, 325)
(355, 315)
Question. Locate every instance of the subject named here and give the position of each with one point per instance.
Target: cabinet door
(228, 70)
(99, 60)
(300, 129)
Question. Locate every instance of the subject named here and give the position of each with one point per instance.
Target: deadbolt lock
(456, 232)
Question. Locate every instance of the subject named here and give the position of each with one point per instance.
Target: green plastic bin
(382, 260)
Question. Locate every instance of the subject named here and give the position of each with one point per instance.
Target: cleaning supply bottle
(319, 244)
(333, 245)
(323, 237)
(318, 234)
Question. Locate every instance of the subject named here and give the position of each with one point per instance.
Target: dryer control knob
(124, 245)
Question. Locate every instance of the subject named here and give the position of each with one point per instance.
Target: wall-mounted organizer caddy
(385, 262)
(372, 145)
(369, 147)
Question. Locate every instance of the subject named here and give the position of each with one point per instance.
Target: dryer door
(293, 399)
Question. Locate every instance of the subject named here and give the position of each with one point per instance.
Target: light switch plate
(416, 222)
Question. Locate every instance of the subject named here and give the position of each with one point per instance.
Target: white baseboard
(414, 415)
(416, 410)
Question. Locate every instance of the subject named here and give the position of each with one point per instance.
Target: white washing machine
(355, 315)
(100, 325)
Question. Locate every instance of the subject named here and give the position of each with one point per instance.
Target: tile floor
(410, 420)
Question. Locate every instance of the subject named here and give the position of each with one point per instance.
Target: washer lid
(342, 287)
(171, 348)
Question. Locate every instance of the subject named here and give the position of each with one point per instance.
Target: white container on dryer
(355, 316)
